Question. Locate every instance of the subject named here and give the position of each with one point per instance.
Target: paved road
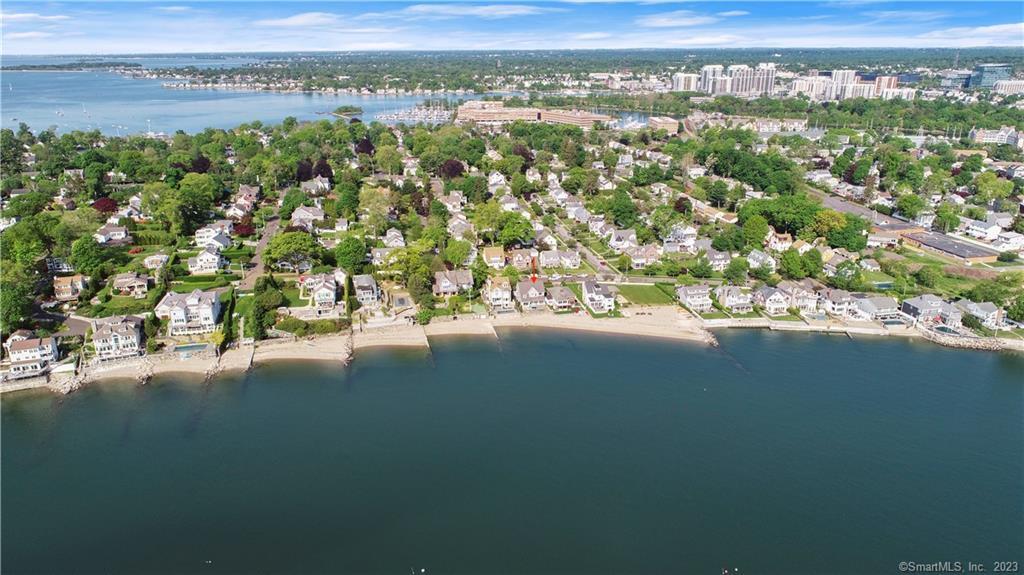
(249, 280)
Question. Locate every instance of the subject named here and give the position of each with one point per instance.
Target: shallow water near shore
(544, 451)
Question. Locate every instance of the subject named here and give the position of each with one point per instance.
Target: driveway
(249, 281)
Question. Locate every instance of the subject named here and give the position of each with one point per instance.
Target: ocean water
(544, 452)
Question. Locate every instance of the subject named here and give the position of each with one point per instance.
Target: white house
(207, 261)
(31, 356)
(190, 314)
(734, 299)
(498, 295)
(696, 298)
(116, 337)
(772, 300)
(367, 291)
(598, 297)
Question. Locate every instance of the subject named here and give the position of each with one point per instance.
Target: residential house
(393, 238)
(758, 259)
(777, 242)
(452, 282)
(381, 256)
(874, 308)
(643, 256)
(498, 295)
(155, 261)
(560, 298)
(522, 259)
(530, 294)
(68, 288)
(110, 233)
(928, 309)
(869, 264)
(306, 217)
(623, 239)
(367, 292)
(317, 186)
(772, 300)
(734, 299)
(191, 313)
(598, 297)
(545, 239)
(801, 295)
(117, 337)
(131, 283)
(322, 290)
(207, 261)
(836, 302)
(31, 356)
(718, 260)
(494, 257)
(696, 298)
(989, 314)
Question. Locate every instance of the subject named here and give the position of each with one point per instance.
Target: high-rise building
(742, 78)
(682, 82)
(883, 83)
(956, 79)
(722, 85)
(708, 74)
(986, 75)
(856, 90)
(764, 78)
(843, 77)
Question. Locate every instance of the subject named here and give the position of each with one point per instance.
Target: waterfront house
(734, 299)
(322, 290)
(111, 234)
(801, 295)
(560, 298)
(696, 298)
(494, 257)
(530, 295)
(836, 302)
(928, 309)
(131, 283)
(452, 282)
(31, 356)
(207, 261)
(68, 288)
(367, 292)
(772, 300)
(874, 308)
(498, 295)
(116, 337)
(597, 297)
(191, 313)
(989, 314)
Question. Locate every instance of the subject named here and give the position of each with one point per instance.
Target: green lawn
(715, 315)
(291, 297)
(788, 317)
(645, 294)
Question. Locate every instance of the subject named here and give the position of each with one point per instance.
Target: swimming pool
(190, 347)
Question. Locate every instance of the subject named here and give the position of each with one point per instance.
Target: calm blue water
(118, 105)
(545, 453)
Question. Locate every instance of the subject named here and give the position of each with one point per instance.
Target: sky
(71, 27)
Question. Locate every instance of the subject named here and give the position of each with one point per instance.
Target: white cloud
(730, 13)
(303, 20)
(592, 36)
(31, 17)
(995, 35)
(907, 15)
(27, 35)
(707, 40)
(174, 9)
(449, 11)
(676, 19)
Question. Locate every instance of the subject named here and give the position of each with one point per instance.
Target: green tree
(910, 205)
(86, 255)
(350, 254)
(755, 230)
(456, 252)
(15, 305)
(791, 264)
(292, 248)
(736, 271)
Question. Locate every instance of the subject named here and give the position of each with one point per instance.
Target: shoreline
(667, 323)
